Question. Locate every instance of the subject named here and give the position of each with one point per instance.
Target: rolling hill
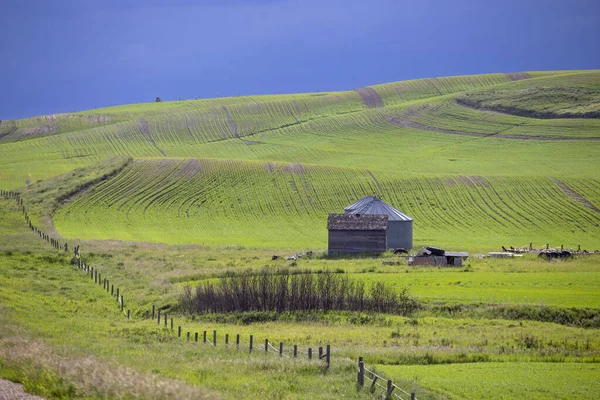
(478, 161)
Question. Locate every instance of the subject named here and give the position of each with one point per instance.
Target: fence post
(179, 331)
(122, 303)
(165, 318)
(266, 345)
(310, 353)
(128, 314)
(112, 289)
(171, 323)
(251, 340)
(196, 337)
(280, 349)
(295, 350)
(188, 336)
(117, 294)
(328, 356)
(153, 311)
(204, 339)
(361, 373)
(373, 387)
(413, 396)
(320, 352)
(226, 339)
(158, 319)
(390, 389)
(214, 338)
(237, 341)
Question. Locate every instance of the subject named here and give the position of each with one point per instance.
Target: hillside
(265, 170)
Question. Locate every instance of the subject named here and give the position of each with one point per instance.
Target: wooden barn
(357, 233)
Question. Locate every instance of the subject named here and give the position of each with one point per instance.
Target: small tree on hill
(158, 100)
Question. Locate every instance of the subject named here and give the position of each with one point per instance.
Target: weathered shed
(356, 233)
(454, 258)
(400, 226)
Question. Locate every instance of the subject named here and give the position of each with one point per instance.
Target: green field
(165, 195)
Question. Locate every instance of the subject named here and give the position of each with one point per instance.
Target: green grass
(333, 129)
(573, 96)
(257, 204)
(506, 380)
(162, 195)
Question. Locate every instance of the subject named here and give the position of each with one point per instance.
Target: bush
(283, 290)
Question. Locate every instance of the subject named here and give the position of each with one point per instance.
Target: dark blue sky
(72, 55)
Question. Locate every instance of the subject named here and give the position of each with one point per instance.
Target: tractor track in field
(374, 180)
(416, 125)
(517, 76)
(370, 97)
(231, 122)
(575, 196)
(146, 132)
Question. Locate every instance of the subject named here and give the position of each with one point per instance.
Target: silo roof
(372, 205)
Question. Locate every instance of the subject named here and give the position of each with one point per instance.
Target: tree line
(284, 290)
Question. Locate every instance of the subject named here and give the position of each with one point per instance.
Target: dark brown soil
(575, 196)
(370, 97)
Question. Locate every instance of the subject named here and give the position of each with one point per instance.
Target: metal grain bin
(400, 226)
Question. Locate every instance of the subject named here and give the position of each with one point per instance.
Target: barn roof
(372, 205)
(357, 222)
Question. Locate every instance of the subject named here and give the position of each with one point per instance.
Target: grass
(257, 204)
(82, 321)
(163, 195)
(506, 380)
(574, 96)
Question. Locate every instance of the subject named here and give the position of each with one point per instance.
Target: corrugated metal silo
(400, 226)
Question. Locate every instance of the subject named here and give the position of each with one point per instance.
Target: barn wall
(400, 234)
(356, 241)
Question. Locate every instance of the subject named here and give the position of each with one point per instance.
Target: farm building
(400, 226)
(447, 258)
(356, 233)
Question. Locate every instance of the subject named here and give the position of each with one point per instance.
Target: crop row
(398, 92)
(446, 115)
(251, 113)
(274, 204)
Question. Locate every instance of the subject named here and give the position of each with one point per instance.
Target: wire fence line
(109, 286)
(374, 378)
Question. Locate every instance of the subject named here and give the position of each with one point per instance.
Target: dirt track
(517, 76)
(575, 196)
(146, 132)
(13, 391)
(231, 122)
(370, 97)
